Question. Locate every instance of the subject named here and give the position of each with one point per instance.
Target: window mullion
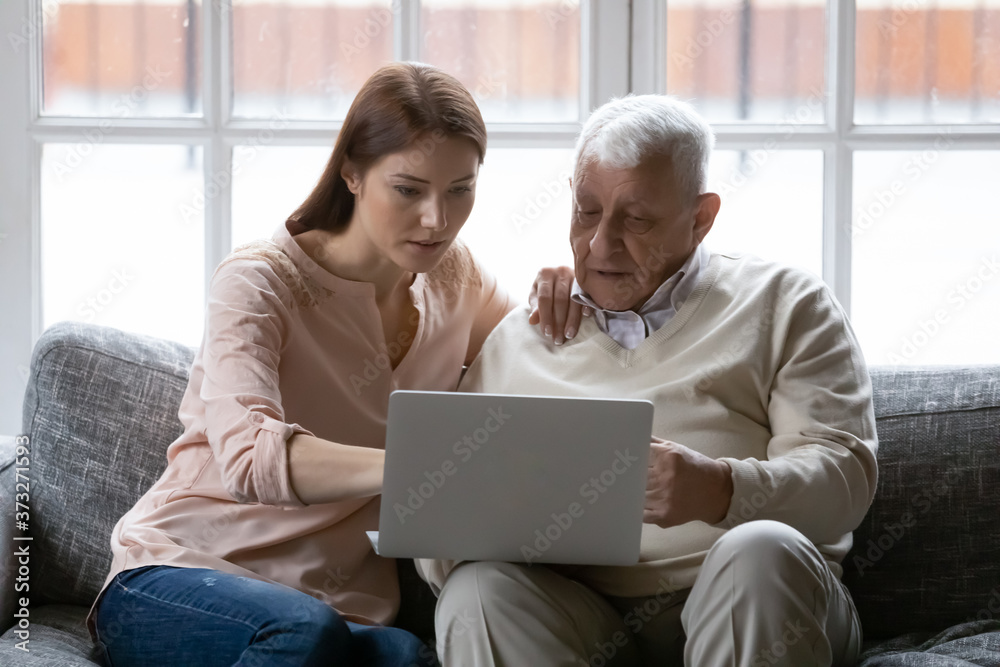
(217, 182)
(406, 31)
(838, 158)
(649, 46)
(606, 28)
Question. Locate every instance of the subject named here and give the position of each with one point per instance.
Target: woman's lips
(425, 247)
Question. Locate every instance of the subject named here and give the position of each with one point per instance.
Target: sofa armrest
(7, 562)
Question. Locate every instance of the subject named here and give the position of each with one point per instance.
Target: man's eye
(405, 190)
(638, 224)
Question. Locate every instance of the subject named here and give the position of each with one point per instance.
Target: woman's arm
(262, 457)
(321, 471)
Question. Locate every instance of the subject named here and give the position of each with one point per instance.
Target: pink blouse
(288, 343)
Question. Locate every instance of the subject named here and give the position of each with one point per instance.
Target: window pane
(269, 183)
(520, 58)
(748, 60)
(306, 58)
(521, 219)
(928, 62)
(126, 58)
(772, 205)
(122, 238)
(926, 260)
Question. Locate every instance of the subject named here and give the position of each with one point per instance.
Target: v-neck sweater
(758, 368)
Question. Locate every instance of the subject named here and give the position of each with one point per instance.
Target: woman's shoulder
(264, 264)
(458, 269)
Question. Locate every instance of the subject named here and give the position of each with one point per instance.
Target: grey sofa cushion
(59, 638)
(101, 409)
(974, 643)
(927, 555)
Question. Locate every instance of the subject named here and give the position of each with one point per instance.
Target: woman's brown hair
(398, 105)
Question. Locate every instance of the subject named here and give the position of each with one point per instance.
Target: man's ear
(706, 208)
(352, 176)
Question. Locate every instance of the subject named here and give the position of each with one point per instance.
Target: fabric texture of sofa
(101, 408)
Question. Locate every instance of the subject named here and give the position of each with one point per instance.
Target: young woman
(251, 549)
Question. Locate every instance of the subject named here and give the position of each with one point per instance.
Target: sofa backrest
(927, 555)
(101, 409)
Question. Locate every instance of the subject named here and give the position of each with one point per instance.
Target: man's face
(632, 229)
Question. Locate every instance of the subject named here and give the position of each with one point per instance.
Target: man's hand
(684, 485)
(551, 305)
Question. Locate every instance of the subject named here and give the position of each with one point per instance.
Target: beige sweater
(759, 368)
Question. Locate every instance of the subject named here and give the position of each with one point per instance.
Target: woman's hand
(551, 306)
(684, 485)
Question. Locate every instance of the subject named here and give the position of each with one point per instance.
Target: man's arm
(820, 473)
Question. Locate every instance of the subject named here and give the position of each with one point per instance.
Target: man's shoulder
(749, 272)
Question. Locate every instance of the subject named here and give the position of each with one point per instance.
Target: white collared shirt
(629, 328)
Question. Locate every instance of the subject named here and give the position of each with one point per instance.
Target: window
(860, 143)
(858, 140)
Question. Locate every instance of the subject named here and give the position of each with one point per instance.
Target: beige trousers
(764, 597)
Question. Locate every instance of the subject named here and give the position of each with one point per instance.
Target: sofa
(101, 408)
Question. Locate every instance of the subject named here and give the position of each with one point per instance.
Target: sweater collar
(629, 328)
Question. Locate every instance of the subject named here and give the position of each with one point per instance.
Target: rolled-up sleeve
(247, 323)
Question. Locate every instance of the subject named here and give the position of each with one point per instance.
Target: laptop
(535, 479)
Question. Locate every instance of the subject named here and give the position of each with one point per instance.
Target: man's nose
(607, 239)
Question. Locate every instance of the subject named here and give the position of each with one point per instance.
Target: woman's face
(412, 204)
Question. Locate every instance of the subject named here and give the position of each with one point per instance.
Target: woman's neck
(352, 256)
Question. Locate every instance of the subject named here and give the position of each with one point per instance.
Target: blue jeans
(163, 615)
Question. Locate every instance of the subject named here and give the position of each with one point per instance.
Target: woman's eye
(405, 190)
(461, 190)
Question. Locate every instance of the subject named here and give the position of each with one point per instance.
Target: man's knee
(759, 542)
(474, 585)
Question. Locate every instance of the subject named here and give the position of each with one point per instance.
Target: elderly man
(763, 459)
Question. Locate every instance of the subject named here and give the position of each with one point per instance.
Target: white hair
(626, 130)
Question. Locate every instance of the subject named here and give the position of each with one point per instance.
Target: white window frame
(838, 136)
(605, 30)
